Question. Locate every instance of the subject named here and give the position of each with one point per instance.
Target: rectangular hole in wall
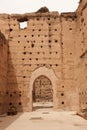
(23, 25)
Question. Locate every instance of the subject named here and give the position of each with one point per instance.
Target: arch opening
(42, 93)
(50, 75)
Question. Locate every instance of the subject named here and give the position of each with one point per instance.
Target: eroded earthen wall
(52, 41)
(32, 47)
(68, 34)
(48, 40)
(81, 55)
(3, 74)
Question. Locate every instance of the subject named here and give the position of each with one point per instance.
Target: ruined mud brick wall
(82, 82)
(49, 40)
(68, 88)
(3, 73)
(81, 55)
(30, 48)
(4, 25)
(81, 28)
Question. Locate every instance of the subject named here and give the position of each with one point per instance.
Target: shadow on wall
(14, 94)
(3, 74)
(9, 92)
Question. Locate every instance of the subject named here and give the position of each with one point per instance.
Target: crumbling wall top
(4, 16)
(70, 15)
(43, 10)
(32, 15)
(82, 6)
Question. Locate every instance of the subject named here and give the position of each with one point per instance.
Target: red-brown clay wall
(49, 42)
(81, 45)
(3, 74)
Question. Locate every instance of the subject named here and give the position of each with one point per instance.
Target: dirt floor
(43, 119)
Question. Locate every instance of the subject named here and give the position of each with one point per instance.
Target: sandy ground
(43, 119)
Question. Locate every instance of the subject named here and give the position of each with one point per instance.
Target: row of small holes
(43, 64)
(38, 30)
(12, 103)
(42, 52)
(41, 41)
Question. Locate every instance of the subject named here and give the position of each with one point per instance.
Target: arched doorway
(49, 76)
(42, 92)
